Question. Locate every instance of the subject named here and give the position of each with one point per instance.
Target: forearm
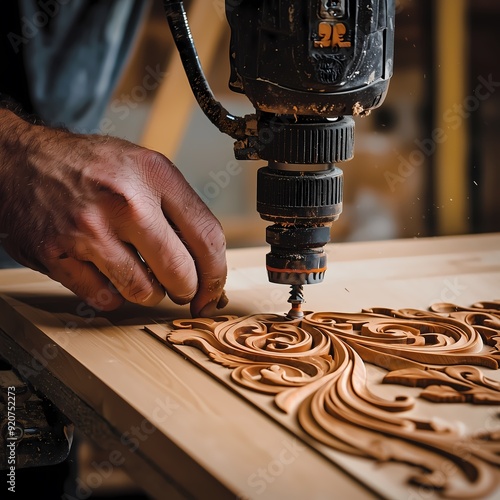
(14, 135)
(17, 137)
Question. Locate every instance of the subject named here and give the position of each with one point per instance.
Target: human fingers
(165, 254)
(121, 264)
(80, 276)
(85, 280)
(93, 239)
(203, 236)
(210, 258)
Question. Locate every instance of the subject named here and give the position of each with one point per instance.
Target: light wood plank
(125, 379)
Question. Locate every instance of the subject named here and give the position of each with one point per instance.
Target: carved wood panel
(316, 372)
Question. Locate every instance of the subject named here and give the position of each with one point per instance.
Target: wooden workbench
(178, 431)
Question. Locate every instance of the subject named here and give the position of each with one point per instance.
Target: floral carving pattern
(315, 368)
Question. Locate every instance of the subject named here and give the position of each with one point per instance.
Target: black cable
(226, 122)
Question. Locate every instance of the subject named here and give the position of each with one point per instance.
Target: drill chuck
(301, 193)
(302, 206)
(307, 67)
(299, 197)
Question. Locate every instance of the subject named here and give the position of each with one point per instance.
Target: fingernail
(209, 310)
(223, 301)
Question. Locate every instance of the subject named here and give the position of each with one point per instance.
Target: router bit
(296, 299)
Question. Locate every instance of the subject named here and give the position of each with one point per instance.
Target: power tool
(308, 67)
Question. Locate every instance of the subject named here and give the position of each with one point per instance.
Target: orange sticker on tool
(332, 35)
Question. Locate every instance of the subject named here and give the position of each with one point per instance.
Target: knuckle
(163, 176)
(99, 296)
(130, 285)
(122, 275)
(154, 163)
(179, 265)
(86, 223)
(182, 281)
(113, 193)
(49, 251)
(140, 291)
(212, 236)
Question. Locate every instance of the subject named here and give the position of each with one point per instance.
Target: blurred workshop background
(425, 162)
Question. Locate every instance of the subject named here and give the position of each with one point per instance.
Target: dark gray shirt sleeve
(74, 53)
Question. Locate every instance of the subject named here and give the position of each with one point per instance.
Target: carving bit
(296, 299)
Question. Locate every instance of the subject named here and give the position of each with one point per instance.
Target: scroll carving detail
(315, 368)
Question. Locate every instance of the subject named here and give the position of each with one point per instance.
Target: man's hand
(92, 210)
